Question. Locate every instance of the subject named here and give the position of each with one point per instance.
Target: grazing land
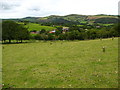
(61, 64)
(37, 27)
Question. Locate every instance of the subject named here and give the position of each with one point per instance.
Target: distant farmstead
(65, 29)
(34, 32)
(52, 31)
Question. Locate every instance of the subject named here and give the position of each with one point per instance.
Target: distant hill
(72, 19)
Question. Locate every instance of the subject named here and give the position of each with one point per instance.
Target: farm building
(34, 32)
(65, 29)
(53, 31)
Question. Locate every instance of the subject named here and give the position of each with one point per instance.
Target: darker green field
(61, 64)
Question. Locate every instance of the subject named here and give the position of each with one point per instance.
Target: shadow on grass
(32, 41)
(14, 42)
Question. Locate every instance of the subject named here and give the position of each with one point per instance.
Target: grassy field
(61, 64)
(37, 27)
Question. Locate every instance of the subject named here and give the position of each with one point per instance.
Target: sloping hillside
(72, 19)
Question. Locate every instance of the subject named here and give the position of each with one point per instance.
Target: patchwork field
(61, 64)
(38, 27)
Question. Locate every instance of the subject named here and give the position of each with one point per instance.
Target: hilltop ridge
(72, 19)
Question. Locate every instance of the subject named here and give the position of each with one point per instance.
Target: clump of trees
(76, 33)
(14, 31)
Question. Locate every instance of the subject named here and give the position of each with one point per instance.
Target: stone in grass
(70, 85)
(103, 48)
(116, 71)
(99, 60)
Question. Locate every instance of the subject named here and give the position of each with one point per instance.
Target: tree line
(14, 31)
(76, 33)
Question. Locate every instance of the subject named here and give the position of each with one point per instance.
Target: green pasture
(107, 24)
(61, 64)
(38, 27)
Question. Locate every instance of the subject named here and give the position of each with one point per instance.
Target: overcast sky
(41, 8)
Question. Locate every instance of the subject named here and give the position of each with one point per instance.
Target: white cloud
(24, 8)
